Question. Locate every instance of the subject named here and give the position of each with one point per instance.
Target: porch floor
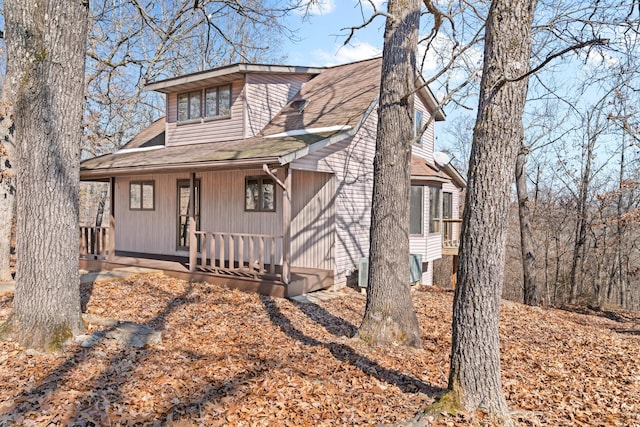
(303, 280)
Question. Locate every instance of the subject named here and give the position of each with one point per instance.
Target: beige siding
(222, 210)
(266, 94)
(147, 231)
(351, 161)
(427, 276)
(425, 149)
(312, 225)
(207, 130)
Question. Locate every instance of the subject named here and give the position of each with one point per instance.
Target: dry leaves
(232, 358)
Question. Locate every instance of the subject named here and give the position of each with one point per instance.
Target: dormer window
(189, 106)
(217, 103)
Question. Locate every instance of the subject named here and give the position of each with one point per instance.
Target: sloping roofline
(168, 85)
(232, 71)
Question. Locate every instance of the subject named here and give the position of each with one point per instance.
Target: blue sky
(322, 34)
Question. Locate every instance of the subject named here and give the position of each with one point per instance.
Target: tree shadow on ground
(629, 321)
(333, 324)
(343, 352)
(34, 400)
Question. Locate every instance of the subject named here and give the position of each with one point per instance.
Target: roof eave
(87, 174)
(166, 85)
(432, 102)
(422, 178)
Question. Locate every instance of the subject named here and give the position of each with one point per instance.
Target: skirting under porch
(302, 280)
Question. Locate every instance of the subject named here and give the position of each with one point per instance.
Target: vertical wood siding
(266, 94)
(424, 150)
(351, 161)
(222, 209)
(207, 130)
(312, 225)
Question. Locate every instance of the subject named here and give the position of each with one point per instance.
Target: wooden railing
(94, 242)
(451, 232)
(247, 254)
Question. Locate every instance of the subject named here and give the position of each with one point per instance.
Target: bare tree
(389, 315)
(46, 44)
(134, 42)
(474, 379)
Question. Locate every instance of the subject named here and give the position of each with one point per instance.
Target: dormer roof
(225, 74)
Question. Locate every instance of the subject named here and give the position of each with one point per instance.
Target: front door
(183, 212)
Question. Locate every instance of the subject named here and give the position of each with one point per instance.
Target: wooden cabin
(260, 177)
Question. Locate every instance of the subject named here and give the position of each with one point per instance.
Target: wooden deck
(303, 280)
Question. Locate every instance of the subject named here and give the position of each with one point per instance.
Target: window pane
(211, 102)
(434, 209)
(415, 210)
(183, 202)
(134, 196)
(183, 231)
(224, 93)
(147, 195)
(183, 106)
(194, 105)
(251, 194)
(447, 205)
(418, 124)
(268, 193)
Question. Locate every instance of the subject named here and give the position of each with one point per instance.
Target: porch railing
(451, 233)
(245, 254)
(94, 242)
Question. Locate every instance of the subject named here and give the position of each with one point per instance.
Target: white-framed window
(142, 195)
(434, 209)
(259, 194)
(416, 210)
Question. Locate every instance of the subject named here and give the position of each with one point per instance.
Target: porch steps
(305, 280)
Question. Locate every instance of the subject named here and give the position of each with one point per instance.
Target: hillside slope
(231, 358)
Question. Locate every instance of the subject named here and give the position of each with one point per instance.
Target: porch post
(112, 218)
(286, 227)
(193, 250)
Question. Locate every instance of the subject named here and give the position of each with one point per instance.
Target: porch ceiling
(236, 153)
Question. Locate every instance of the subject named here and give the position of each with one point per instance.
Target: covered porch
(269, 263)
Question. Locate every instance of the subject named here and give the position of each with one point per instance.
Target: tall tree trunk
(7, 182)
(581, 219)
(46, 45)
(474, 379)
(619, 220)
(526, 237)
(389, 315)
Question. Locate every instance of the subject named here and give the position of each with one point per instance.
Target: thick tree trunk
(526, 237)
(46, 44)
(389, 315)
(474, 380)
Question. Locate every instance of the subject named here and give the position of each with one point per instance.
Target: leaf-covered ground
(232, 358)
